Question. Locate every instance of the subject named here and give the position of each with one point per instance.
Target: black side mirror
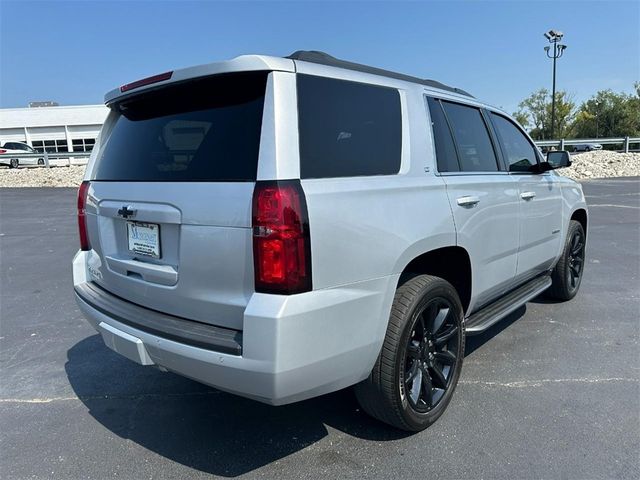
(558, 159)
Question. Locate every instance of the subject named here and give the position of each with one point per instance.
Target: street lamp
(554, 36)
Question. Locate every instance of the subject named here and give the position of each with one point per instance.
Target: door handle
(528, 195)
(468, 201)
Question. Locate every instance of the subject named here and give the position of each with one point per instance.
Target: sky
(74, 52)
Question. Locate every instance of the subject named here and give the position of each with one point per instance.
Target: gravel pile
(600, 164)
(42, 177)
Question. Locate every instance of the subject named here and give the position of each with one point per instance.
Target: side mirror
(558, 159)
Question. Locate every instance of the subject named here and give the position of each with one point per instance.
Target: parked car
(18, 148)
(281, 228)
(587, 147)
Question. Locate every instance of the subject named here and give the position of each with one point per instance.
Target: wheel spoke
(575, 272)
(444, 337)
(438, 377)
(575, 242)
(416, 386)
(439, 320)
(412, 372)
(413, 351)
(576, 246)
(427, 388)
(445, 357)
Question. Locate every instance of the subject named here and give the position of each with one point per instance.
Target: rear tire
(13, 163)
(40, 161)
(567, 274)
(417, 370)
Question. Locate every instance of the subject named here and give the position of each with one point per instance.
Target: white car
(587, 147)
(281, 228)
(18, 148)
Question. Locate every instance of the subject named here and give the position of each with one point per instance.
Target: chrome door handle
(528, 195)
(468, 201)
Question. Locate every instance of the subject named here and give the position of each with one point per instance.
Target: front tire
(417, 370)
(40, 161)
(567, 274)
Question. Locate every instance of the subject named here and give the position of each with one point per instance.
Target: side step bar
(496, 311)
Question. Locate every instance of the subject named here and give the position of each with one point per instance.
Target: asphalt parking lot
(551, 392)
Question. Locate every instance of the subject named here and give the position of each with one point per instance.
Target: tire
(13, 163)
(40, 161)
(567, 274)
(415, 350)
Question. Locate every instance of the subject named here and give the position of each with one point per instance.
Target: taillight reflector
(82, 217)
(281, 241)
(146, 81)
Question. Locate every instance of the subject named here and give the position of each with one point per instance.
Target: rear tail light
(2, 150)
(82, 216)
(281, 241)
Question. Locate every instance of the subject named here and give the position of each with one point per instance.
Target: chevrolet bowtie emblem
(126, 211)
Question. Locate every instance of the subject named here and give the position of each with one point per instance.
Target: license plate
(144, 238)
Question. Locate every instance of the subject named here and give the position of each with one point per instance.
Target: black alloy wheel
(567, 274)
(431, 355)
(575, 259)
(417, 369)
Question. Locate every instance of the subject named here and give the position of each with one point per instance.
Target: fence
(80, 158)
(562, 143)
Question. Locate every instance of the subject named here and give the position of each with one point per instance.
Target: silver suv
(281, 228)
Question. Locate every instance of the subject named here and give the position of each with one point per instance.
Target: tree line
(605, 114)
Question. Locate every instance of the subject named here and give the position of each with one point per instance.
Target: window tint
(517, 148)
(446, 155)
(347, 129)
(205, 130)
(472, 138)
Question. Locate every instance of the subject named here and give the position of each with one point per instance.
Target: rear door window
(519, 152)
(205, 130)
(446, 155)
(475, 150)
(348, 129)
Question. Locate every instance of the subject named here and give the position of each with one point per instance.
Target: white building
(56, 129)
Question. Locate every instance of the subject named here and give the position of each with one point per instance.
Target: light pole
(597, 112)
(554, 36)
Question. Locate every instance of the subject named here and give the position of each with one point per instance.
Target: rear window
(204, 130)
(347, 129)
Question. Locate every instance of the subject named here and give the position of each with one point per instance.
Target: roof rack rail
(314, 56)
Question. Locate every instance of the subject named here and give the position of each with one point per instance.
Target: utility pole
(554, 36)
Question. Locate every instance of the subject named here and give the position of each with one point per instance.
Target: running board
(496, 311)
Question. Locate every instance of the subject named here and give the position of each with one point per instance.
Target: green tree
(535, 112)
(609, 114)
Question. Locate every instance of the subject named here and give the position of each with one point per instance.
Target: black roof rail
(322, 58)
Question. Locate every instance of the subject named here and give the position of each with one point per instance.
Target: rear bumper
(291, 347)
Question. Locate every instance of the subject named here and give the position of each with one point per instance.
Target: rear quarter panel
(370, 227)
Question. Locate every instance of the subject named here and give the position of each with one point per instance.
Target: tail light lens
(281, 242)
(82, 216)
(2, 150)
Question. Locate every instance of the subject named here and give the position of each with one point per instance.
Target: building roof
(322, 58)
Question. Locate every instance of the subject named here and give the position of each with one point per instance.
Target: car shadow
(201, 427)
(212, 431)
